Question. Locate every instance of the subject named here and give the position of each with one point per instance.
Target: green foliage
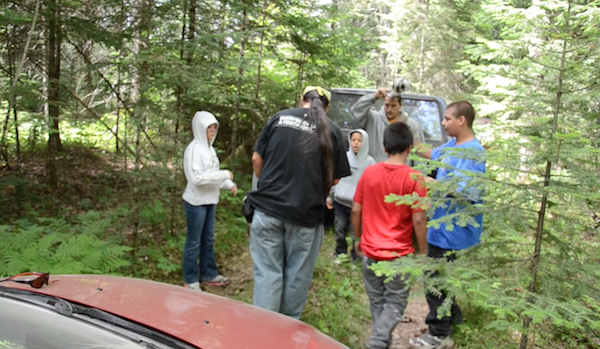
(153, 213)
(58, 247)
(337, 303)
(534, 277)
(530, 66)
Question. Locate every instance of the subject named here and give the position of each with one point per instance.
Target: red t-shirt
(387, 228)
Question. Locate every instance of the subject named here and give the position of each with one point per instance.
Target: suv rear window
(426, 111)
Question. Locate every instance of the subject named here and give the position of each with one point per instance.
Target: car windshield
(27, 326)
(425, 111)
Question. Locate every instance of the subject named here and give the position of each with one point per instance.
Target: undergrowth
(107, 220)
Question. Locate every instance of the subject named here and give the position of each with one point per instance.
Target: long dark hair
(316, 115)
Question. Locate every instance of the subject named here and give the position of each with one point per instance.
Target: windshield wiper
(98, 317)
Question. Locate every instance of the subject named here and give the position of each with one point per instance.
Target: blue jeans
(200, 222)
(284, 256)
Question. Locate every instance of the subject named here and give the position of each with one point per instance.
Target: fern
(58, 247)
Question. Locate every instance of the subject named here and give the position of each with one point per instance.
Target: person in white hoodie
(204, 181)
(341, 195)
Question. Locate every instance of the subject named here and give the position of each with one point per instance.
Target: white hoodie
(201, 165)
(344, 191)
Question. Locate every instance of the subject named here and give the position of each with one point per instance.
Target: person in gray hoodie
(204, 181)
(375, 122)
(341, 195)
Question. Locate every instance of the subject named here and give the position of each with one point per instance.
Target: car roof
(199, 318)
(363, 91)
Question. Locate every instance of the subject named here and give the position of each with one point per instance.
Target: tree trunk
(179, 92)
(423, 36)
(119, 82)
(547, 176)
(257, 87)
(191, 35)
(236, 115)
(14, 80)
(192, 31)
(54, 41)
(17, 139)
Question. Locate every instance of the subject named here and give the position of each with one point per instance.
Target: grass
(150, 220)
(337, 303)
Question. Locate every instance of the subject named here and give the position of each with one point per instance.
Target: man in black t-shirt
(298, 156)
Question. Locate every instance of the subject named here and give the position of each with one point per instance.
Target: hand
(358, 250)
(230, 174)
(381, 92)
(329, 204)
(234, 190)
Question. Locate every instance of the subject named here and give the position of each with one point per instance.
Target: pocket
(267, 228)
(247, 209)
(306, 234)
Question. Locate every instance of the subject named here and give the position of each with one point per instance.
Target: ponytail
(316, 115)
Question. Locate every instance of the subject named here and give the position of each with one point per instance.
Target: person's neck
(465, 136)
(397, 159)
(396, 118)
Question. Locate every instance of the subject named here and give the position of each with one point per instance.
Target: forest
(96, 102)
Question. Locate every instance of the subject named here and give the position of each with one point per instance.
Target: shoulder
(474, 144)
(373, 169)
(336, 133)
(449, 144)
(286, 117)
(473, 150)
(299, 112)
(437, 152)
(415, 176)
(411, 122)
(296, 112)
(335, 129)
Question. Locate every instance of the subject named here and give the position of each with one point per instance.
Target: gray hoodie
(201, 165)
(375, 122)
(344, 191)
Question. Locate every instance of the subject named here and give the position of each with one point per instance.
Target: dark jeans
(441, 327)
(342, 224)
(387, 302)
(199, 254)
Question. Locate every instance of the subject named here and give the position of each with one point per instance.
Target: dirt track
(413, 323)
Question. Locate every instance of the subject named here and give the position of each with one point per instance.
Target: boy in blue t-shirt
(461, 155)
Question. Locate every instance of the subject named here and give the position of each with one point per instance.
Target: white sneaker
(341, 258)
(194, 286)
(428, 341)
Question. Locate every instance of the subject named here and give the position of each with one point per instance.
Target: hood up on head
(200, 122)
(363, 152)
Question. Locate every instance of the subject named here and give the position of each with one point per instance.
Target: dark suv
(428, 110)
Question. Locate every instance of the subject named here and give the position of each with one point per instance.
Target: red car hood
(202, 319)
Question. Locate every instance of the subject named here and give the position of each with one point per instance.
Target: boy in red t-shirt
(384, 231)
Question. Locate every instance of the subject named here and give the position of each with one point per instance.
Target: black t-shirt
(291, 185)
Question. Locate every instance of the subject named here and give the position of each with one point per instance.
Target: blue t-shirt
(468, 157)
